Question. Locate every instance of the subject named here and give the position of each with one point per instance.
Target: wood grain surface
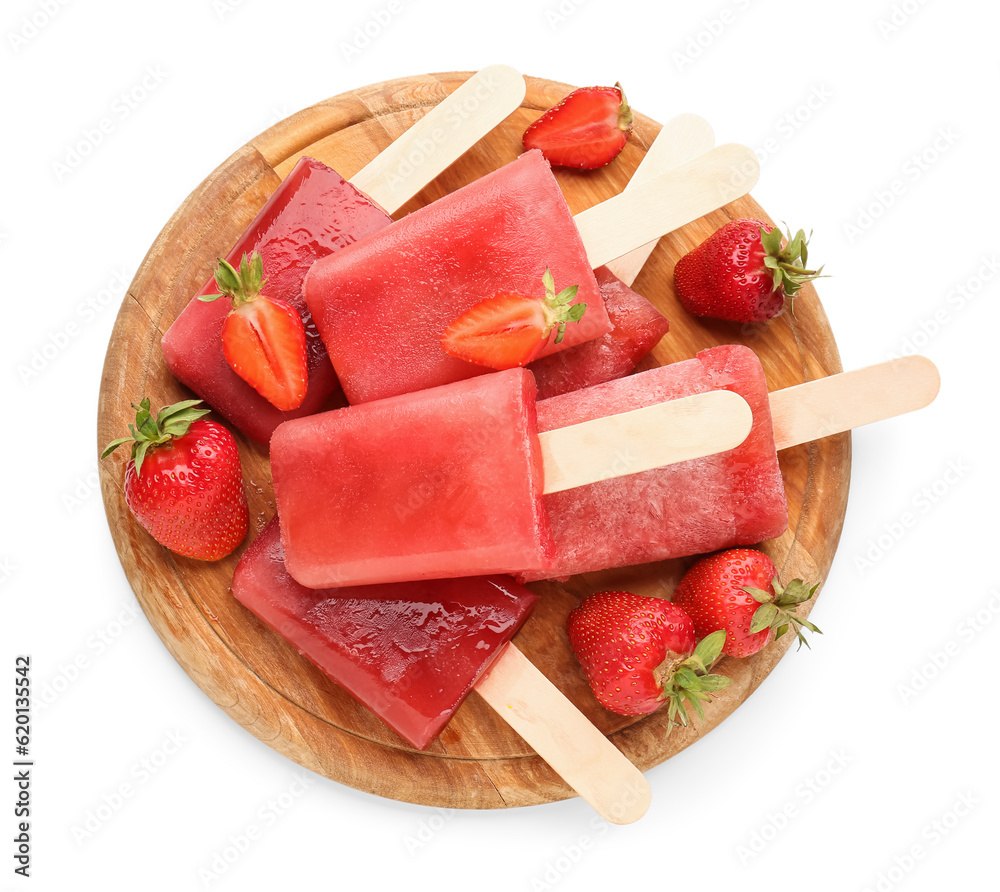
(262, 682)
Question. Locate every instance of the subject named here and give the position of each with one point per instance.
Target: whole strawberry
(638, 653)
(737, 591)
(742, 272)
(587, 129)
(184, 481)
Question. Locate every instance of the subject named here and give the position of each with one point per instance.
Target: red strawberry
(738, 591)
(742, 273)
(638, 653)
(263, 338)
(587, 129)
(184, 482)
(509, 329)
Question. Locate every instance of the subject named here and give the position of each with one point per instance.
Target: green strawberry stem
(557, 307)
(240, 286)
(688, 680)
(778, 611)
(149, 432)
(624, 111)
(788, 264)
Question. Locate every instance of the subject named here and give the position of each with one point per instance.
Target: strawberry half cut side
(263, 338)
(509, 329)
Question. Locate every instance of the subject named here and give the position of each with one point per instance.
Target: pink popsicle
(382, 305)
(731, 498)
(410, 651)
(440, 483)
(638, 327)
(311, 214)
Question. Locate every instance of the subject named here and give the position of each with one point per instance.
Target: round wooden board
(263, 683)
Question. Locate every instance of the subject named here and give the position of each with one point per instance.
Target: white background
(868, 762)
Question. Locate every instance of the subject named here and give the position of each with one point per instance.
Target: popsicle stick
(642, 439)
(575, 749)
(680, 140)
(841, 402)
(441, 136)
(666, 202)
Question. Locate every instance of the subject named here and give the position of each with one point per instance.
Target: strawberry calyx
(557, 308)
(240, 286)
(777, 611)
(787, 264)
(148, 431)
(689, 680)
(625, 116)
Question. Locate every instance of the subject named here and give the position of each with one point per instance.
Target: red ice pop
(409, 651)
(314, 212)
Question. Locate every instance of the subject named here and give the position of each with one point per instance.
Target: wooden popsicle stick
(441, 136)
(642, 439)
(680, 140)
(563, 736)
(841, 402)
(666, 202)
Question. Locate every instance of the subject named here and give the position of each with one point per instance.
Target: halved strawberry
(587, 129)
(510, 329)
(263, 338)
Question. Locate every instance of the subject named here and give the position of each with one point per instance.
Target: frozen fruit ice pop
(311, 214)
(730, 498)
(638, 327)
(439, 483)
(382, 305)
(409, 651)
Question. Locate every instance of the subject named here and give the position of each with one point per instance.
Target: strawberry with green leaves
(509, 329)
(587, 129)
(183, 480)
(743, 272)
(638, 653)
(263, 338)
(737, 591)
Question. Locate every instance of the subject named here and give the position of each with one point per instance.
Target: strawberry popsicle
(312, 213)
(731, 498)
(408, 651)
(382, 309)
(440, 483)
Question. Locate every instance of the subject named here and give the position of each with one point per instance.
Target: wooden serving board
(263, 683)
